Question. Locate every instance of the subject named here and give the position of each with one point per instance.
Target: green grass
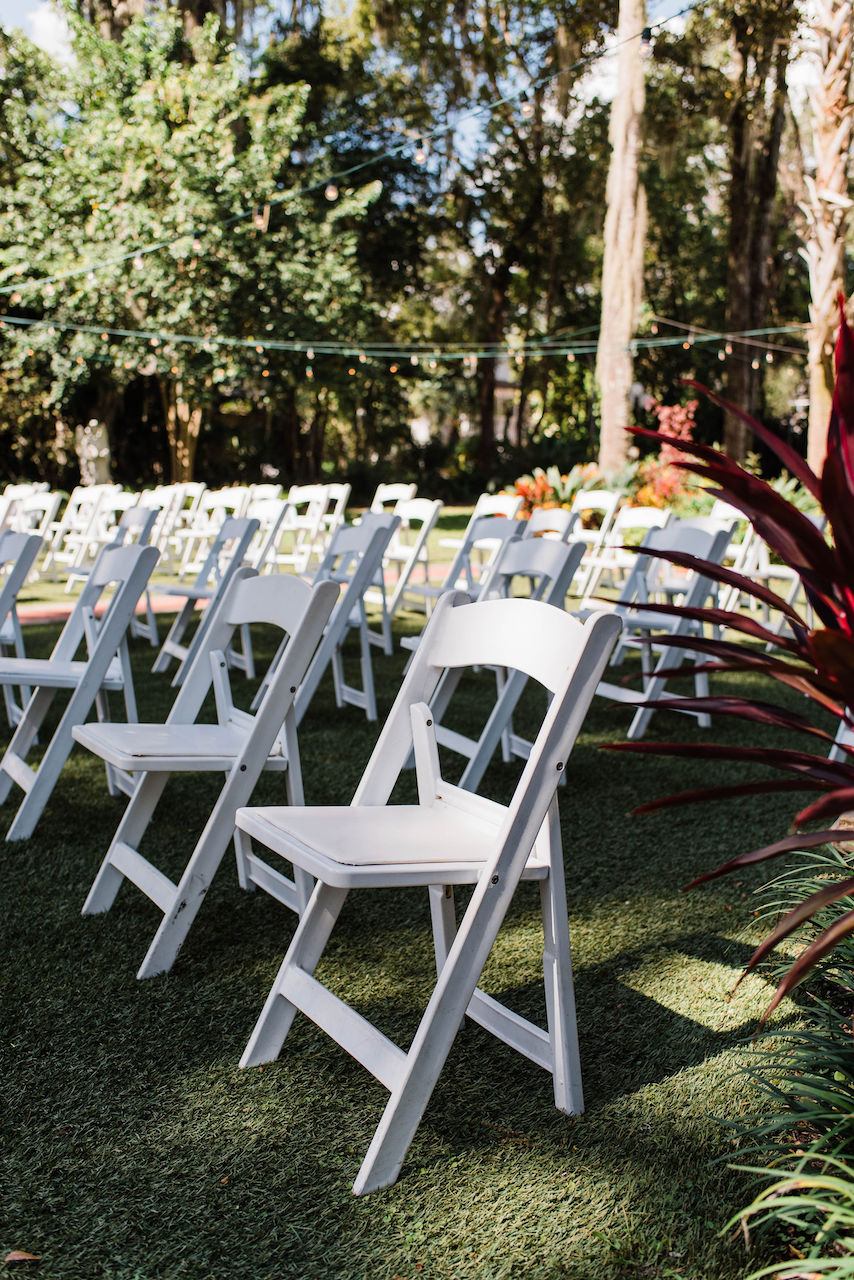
(132, 1147)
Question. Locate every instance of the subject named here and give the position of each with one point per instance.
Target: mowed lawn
(134, 1148)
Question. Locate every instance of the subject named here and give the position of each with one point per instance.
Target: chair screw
(559, 765)
(495, 879)
(243, 768)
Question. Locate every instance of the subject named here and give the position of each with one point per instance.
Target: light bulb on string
(331, 191)
(526, 106)
(14, 298)
(138, 261)
(310, 353)
(754, 364)
(571, 357)
(265, 373)
(197, 244)
(413, 359)
(769, 357)
(420, 156)
(362, 357)
(728, 348)
(49, 290)
(646, 42)
(722, 355)
(259, 349)
(309, 372)
(351, 371)
(653, 328)
(393, 368)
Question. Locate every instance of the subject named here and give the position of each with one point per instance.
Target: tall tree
(827, 205)
(760, 42)
(625, 230)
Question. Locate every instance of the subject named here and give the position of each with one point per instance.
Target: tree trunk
(625, 231)
(756, 129)
(183, 423)
(826, 207)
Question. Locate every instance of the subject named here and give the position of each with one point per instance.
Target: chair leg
(129, 832)
(171, 646)
(560, 991)
(23, 738)
(304, 953)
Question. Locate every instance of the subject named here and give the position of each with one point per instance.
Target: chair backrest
(496, 529)
(35, 513)
(632, 520)
(651, 576)
(564, 655)
(136, 525)
(387, 495)
(264, 492)
(232, 539)
(603, 501)
(548, 566)
(279, 600)
(551, 522)
(497, 504)
(18, 552)
(127, 569)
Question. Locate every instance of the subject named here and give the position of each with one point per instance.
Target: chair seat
(163, 747)
(49, 673)
(352, 845)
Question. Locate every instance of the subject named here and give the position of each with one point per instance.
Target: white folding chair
(655, 633)
(599, 505)
(106, 667)
(463, 574)
(239, 744)
(300, 537)
(227, 553)
(548, 568)
(215, 506)
(78, 520)
(134, 524)
(450, 837)
(614, 560)
(406, 552)
(338, 495)
(18, 553)
(351, 562)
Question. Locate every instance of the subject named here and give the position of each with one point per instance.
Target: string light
(526, 106)
(138, 261)
(309, 372)
(331, 191)
(420, 156)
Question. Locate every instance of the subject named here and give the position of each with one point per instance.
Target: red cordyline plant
(818, 660)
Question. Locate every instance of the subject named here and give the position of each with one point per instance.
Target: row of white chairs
(314, 856)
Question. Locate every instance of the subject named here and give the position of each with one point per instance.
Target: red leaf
(810, 956)
(802, 840)
(769, 786)
(790, 458)
(803, 911)
(18, 1255)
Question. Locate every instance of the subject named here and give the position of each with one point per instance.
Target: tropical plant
(816, 659)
